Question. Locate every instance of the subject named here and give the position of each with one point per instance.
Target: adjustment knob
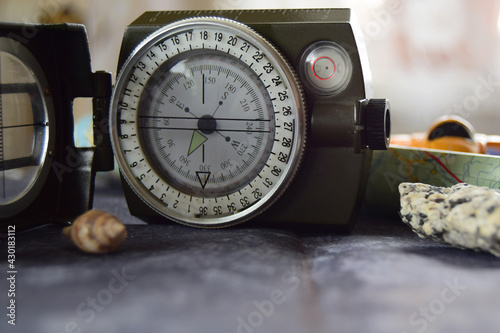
(377, 124)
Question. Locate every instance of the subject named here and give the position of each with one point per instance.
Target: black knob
(377, 124)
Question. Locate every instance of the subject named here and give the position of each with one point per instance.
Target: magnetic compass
(208, 122)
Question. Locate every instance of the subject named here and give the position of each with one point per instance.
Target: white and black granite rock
(463, 215)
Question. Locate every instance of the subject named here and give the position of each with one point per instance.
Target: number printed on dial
(208, 122)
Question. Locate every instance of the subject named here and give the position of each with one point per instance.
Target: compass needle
(197, 140)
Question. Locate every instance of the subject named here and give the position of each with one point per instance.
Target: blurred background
(429, 58)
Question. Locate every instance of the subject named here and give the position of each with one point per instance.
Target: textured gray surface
(380, 278)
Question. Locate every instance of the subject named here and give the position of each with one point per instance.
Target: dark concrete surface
(172, 278)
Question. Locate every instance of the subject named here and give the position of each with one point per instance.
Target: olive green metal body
(330, 184)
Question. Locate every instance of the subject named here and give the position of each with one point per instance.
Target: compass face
(24, 128)
(208, 122)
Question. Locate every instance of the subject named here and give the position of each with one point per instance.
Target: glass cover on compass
(226, 132)
(23, 128)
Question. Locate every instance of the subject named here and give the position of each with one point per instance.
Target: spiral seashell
(96, 232)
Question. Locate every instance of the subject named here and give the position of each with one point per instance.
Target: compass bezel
(266, 187)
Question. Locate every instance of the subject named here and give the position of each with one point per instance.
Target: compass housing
(57, 59)
(299, 60)
(208, 122)
(329, 185)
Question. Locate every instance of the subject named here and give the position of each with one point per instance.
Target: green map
(441, 168)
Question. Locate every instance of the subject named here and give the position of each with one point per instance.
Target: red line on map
(443, 166)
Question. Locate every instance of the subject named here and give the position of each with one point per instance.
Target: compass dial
(208, 122)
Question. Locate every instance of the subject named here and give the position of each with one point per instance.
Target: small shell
(96, 232)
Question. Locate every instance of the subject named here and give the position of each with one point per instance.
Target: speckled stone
(463, 215)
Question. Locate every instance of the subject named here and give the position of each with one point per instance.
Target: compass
(209, 122)
(216, 117)
(44, 177)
